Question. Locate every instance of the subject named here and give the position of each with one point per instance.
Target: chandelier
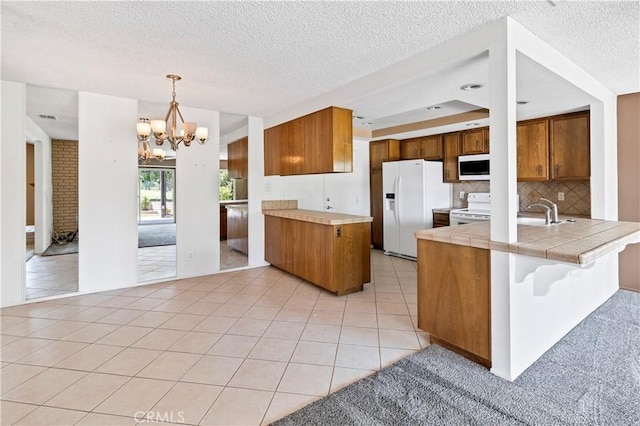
(189, 131)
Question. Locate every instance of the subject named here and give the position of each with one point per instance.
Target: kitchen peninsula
(562, 273)
(331, 250)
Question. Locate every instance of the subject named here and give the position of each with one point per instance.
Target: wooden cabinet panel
(431, 147)
(381, 151)
(321, 142)
(238, 228)
(377, 207)
(570, 147)
(335, 257)
(451, 142)
(272, 161)
(533, 150)
(473, 142)
(223, 223)
(238, 158)
(440, 219)
(410, 149)
(425, 147)
(454, 297)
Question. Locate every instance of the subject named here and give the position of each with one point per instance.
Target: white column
(256, 182)
(107, 192)
(197, 205)
(502, 131)
(604, 160)
(12, 197)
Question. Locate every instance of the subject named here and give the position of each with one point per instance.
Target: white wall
(107, 188)
(12, 197)
(43, 185)
(349, 192)
(197, 205)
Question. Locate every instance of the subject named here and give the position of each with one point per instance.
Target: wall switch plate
(560, 196)
(267, 187)
(461, 195)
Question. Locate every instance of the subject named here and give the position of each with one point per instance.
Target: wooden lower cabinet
(454, 298)
(334, 257)
(440, 219)
(223, 223)
(238, 227)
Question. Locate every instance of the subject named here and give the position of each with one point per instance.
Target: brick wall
(64, 170)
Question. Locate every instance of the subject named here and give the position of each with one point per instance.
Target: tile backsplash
(577, 194)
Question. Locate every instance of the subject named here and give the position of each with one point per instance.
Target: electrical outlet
(461, 195)
(267, 187)
(560, 196)
(190, 255)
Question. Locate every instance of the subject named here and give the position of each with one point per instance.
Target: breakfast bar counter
(581, 242)
(503, 305)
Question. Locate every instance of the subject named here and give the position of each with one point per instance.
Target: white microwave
(473, 167)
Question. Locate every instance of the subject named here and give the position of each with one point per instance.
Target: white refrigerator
(411, 189)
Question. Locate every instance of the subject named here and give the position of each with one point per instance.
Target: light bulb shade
(189, 128)
(144, 128)
(158, 154)
(202, 134)
(159, 126)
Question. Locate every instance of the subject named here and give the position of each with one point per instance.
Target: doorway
(156, 222)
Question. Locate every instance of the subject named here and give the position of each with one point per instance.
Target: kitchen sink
(539, 221)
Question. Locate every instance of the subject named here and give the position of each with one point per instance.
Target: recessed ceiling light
(522, 102)
(472, 124)
(358, 117)
(431, 108)
(367, 123)
(471, 86)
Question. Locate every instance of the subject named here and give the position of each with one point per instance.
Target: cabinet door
(381, 151)
(570, 150)
(451, 150)
(272, 151)
(473, 142)
(237, 154)
(410, 149)
(431, 147)
(533, 150)
(377, 205)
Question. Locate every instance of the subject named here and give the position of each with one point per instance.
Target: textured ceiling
(259, 58)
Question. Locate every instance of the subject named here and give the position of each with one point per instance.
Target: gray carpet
(56, 249)
(590, 377)
(161, 234)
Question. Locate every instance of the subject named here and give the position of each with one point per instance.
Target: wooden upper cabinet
(451, 142)
(426, 148)
(381, 151)
(474, 141)
(410, 149)
(238, 155)
(272, 137)
(570, 146)
(533, 150)
(320, 142)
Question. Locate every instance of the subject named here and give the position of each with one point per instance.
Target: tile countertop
(324, 218)
(580, 242)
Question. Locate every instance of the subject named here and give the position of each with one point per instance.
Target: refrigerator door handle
(398, 201)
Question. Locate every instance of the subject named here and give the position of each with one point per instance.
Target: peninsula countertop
(325, 218)
(582, 241)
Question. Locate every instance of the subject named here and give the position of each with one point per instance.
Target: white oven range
(478, 210)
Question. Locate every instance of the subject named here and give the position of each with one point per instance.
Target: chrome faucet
(547, 212)
(554, 210)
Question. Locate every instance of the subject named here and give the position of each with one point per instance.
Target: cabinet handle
(539, 170)
(557, 170)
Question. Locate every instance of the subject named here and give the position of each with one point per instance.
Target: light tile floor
(155, 263)
(51, 275)
(245, 347)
